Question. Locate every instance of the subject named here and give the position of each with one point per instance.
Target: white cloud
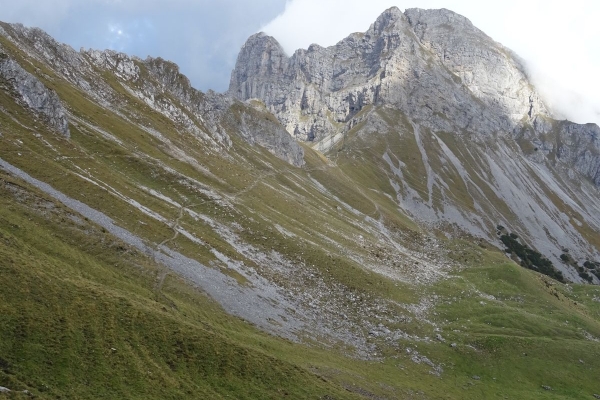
(559, 40)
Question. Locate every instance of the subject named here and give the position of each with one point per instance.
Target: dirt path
(175, 227)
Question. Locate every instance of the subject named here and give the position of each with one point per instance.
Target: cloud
(202, 36)
(557, 39)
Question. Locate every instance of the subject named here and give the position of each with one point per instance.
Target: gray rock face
(579, 145)
(574, 147)
(34, 94)
(121, 64)
(257, 125)
(490, 71)
(403, 61)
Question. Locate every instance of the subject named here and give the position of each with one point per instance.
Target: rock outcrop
(579, 145)
(257, 125)
(34, 94)
(572, 147)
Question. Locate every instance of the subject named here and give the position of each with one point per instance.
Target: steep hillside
(448, 121)
(159, 242)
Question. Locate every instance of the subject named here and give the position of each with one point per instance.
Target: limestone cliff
(491, 72)
(428, 64)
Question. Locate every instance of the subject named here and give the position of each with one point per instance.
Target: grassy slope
(70, 293)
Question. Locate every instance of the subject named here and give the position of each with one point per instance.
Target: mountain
(462, 140)
(330, 228)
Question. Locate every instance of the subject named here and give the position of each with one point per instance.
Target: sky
(559, 40)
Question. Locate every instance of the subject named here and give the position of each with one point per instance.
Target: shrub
(585, 276)
(530, 258)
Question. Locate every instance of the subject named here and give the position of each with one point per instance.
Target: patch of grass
(508, 323)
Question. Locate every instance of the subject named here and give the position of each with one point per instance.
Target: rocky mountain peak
(390, 20)
(440, 16)
(448, 110)
(413, 61)
(273, 55)
(491, 72)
